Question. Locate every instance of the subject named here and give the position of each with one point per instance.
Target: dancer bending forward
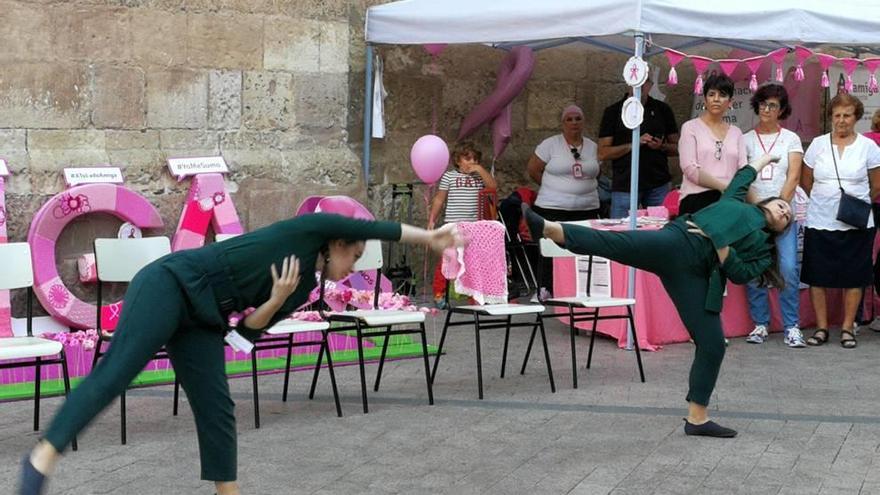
(182, 301)
(694, 256)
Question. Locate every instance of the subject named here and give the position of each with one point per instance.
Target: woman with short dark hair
(710, 149)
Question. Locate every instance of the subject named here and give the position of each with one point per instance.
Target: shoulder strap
(834, 157)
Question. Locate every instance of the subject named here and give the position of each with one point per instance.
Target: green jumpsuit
(689, 269)
(182, 301)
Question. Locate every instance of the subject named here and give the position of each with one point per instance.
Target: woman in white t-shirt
(770, 104)
(566, 166)
(837, 254)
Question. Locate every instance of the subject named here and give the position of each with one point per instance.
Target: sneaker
(875, 325)
(758, 335)
(794, 338)
(441, 303)
(545, 294)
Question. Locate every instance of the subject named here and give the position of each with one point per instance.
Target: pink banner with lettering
(208, 202)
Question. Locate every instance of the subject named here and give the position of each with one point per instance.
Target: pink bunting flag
(825, 61)
(728, 65)
(872, 64)
(754, 64)
(778, 56)
(849, 66)
(801, 54)
(700, 64)
(674, 58)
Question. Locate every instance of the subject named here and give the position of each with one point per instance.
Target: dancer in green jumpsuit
(694, 256)
(182, 301)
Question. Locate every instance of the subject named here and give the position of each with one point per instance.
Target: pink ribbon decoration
(825, 61)
(754, 64)
(674, 58)
(778, 56)
(801, 54)
(700, 65)
(872, 64)
(849, 66)
(728, 65)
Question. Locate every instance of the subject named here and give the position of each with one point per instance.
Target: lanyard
(766, 151)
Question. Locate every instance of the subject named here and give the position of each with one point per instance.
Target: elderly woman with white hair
(566, 166)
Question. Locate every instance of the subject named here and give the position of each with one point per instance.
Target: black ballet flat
(32, 481)
(534, 221)
(708, 429)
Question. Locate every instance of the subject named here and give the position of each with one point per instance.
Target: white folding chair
(119, 260)
(16, 272)
(586, 308)
(492, 316)
(364, 320)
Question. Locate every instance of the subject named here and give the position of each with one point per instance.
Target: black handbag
(851, 210)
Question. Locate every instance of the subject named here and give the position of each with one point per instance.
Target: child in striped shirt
(460, 191)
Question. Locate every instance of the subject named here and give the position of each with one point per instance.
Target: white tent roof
(848, 23)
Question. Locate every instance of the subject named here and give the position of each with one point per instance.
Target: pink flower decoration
(68, 204)
(58, 296)
(219, 197)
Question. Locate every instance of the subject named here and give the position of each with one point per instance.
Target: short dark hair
(846, 100)
(772, 90)
(466, 148)
(719, 82)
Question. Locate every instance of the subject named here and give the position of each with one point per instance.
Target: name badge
(767, 173)
(239, 343)
(577, 171)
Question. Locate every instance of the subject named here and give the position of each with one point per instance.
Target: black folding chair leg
(37, 379)
(325, 344)
(506, 340)
(522, 371)
(256, 389)
(382, 358)
(360, 339)
(287, 367)
(66, 375)
(123, 433)
(632, 325)
(427, 363)
(547, 355)
(176, 394)
(574, 361)
(592, 338)
(479, 355)
(440, 345)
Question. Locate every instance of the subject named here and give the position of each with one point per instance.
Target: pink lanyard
(766, 151)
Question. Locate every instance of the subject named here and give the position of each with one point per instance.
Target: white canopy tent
(622, 26)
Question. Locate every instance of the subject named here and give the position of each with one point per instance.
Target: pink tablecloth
(656, 319)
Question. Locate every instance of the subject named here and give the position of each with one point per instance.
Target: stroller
(522, 251)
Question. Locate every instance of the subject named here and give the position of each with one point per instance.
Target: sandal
(851, 342)
(819, 337)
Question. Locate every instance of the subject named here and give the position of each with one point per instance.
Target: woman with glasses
(565, 166)
(710, 149)
(770, 104)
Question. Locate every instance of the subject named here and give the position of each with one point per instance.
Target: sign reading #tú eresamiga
(182, 167)
(92, 175)
(4, 170)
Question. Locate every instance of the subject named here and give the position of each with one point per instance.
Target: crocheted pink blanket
(480, 267)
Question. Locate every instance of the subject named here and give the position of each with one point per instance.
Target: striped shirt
(464, 195)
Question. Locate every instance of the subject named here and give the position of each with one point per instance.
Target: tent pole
(368, 113)
(639, 39)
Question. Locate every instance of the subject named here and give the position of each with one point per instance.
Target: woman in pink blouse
(710, 149)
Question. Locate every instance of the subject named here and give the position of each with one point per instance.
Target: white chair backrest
(224, 237)
(16, 269)
(118, 260)
(550, 249)
(372, 257)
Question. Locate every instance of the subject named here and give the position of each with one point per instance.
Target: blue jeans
(648, 197)
(789, 298)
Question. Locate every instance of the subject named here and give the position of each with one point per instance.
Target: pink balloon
(434, 49)
(429, 157)
(514, 72)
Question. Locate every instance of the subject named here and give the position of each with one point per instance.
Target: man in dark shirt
(659, 139)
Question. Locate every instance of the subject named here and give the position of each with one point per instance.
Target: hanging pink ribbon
(778, 57)
(849, 66)
(700, 65)
(801, 54)
(825, 61)
(728, 65)
(872, 64)
(674, 58)
(754, 64)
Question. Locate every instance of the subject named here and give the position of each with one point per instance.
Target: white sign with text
(183, 167)
(92, 175)
(4, 170)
